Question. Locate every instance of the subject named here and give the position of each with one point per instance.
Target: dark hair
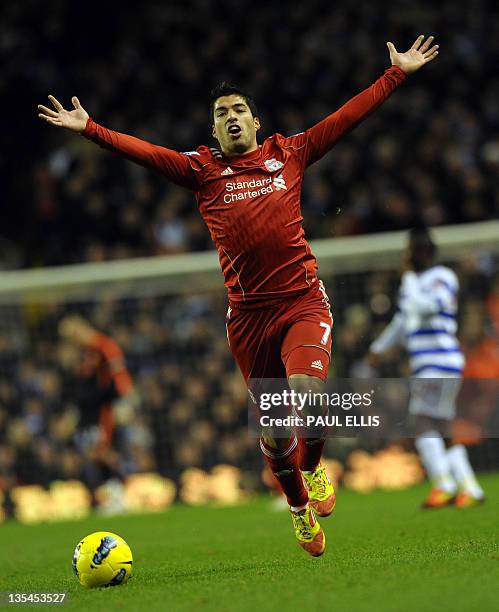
(420, 237)
(228, 89)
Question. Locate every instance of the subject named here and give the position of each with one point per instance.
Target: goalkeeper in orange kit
(104, 393)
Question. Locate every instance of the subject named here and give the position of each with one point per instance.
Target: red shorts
(291, 337)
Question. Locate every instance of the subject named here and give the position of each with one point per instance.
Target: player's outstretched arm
(74, 120)
(319, 139)
(393, 335)
(175, 166)
(420, 54)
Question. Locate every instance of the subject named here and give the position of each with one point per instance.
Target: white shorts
(434, 397)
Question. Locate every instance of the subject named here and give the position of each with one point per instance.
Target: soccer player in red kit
(279, 321)
(103, 365)
(105, 395)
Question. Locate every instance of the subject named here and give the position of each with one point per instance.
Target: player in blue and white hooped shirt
(425, 324)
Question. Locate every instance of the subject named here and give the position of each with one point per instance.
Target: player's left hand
(125, 408)
(418, 55)
(374, 359)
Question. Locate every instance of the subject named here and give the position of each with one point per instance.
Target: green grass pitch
(383, 554)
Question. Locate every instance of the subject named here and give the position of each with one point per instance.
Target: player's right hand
(374, 359)
(75, 120)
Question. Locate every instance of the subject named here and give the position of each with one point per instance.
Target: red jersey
(104, 359)
(251, 202)
(103, 378)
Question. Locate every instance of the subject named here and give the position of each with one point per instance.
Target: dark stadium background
(431, 153)
(147, 68)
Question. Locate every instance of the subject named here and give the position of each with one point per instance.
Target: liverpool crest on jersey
(272, 164)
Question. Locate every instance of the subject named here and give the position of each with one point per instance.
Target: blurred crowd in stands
(431, 152)
(192, 403)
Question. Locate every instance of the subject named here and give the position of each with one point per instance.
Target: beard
(239, 147)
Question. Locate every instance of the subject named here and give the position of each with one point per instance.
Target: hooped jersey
(426, 323)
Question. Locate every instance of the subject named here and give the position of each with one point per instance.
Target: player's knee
(302, 383)
(424, 424)
(311, 395)
(310, 390)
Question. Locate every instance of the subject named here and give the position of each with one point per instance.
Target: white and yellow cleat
(320, 491)
(308, 531)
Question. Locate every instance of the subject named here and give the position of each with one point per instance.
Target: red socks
(284, 464)
(310, 453)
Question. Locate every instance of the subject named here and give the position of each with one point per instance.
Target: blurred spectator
(431, 152)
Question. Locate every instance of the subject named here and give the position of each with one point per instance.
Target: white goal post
(200, 271)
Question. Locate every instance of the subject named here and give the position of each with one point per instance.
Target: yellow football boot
(308, 531)
(320, 491)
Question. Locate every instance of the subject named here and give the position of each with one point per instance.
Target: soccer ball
(102, 559)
